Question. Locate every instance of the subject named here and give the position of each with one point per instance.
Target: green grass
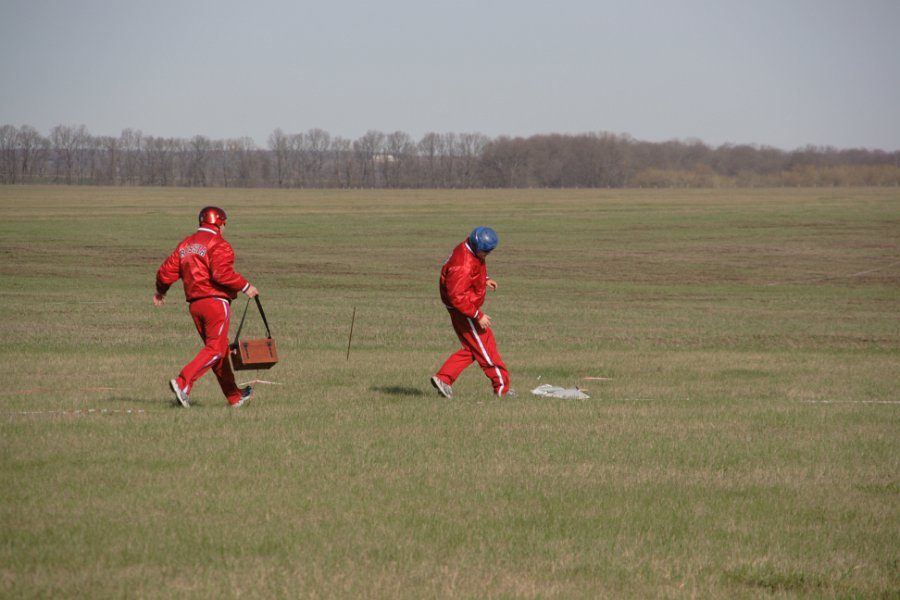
(746, 443)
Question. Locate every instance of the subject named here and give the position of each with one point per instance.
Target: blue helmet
(482, 239)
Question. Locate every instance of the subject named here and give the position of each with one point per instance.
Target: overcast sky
(782, 73)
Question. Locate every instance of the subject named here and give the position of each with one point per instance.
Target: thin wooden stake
(350, 339)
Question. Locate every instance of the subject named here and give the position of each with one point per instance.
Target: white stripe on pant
(487, 357)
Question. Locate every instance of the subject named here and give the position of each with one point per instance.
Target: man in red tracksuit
(464, 283)
(204, 262)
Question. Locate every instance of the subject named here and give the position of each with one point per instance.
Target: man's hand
(484, 321)
(159, 299)
(492, 284)
(251, 291)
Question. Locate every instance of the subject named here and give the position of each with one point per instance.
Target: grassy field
(744, 442)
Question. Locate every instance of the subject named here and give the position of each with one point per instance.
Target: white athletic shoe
(246, 394)
(443, 389)
(181, 397)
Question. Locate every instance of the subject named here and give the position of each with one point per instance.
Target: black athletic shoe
(246, 394)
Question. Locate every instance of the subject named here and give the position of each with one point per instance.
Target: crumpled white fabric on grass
(554, 391)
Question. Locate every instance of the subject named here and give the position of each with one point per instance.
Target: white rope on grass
(40, 390)
(818, 279)
(82, 411)
(850, 401)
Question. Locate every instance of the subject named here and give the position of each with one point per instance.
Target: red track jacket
(205, 263)
(464, 281)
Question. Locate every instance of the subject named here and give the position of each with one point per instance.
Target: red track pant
(478, 345)
(212, 316)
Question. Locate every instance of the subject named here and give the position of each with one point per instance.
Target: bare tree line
(315, 159)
